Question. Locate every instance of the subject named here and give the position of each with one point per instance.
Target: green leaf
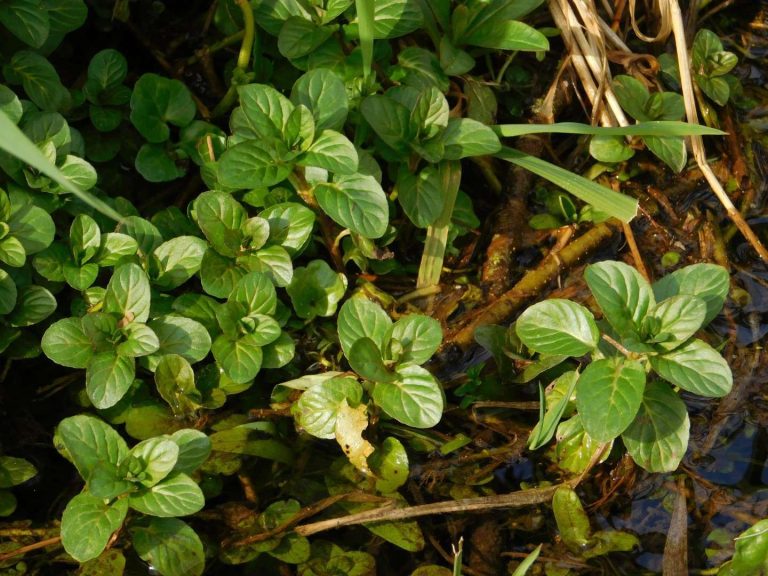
(356, 202)
(273, 261)
(278, 353)
(153, 458)
(677, 318)
(33, 226)
(601, 198)
(8, 293)
(40, 80)
(219, 274)
(88, 523)
(290, 226)
(34, 305)
(622, 293)
(633, 96)
(391, 19)
(158, 101)
(608, 396)
(240, 359)
(612, 149)
(316, 290)
(143, 231)
(558, 327)
(506, 35)
(194, 449)
(109, 562)
(176, 495)
(389, 119)
(456, 62)
(107, 482)
(572, 520)
(169, 545)
(418, 337)
(12, 252)
(255, 163)
(87, 441)
(696, 367)
(430, 112)
(175, 381)
(107, 69)
(708, 282)
(415, 399)
(547, 426)
(15, 471)
(84, 238)
(256, 293)
(10, 104)
(365, 359)
(300, 128)
(249, 439)
(156, 163)
(179, 335)
(221, 218)
(299, 36)
(751, 555)
(421, 195)
(671, 150)
(361, 318)
(66, 15)
(108, 377)
(324, 94)
(332, 151)
(18, 145)
(66, 343)
(140, 340)
(319, 405)
(80, 277)
(647, 128)
(27, 20)
(128, 293)
(263, 114)
(658, 437)
(390, 465)
(176, 261)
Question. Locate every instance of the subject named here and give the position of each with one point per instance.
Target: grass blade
(604, 199)
(655, 128)
(365, 19)
(16, 143)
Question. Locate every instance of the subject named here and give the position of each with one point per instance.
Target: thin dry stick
(636, 256)
(389, 514)
(30, 548)
(697, 144)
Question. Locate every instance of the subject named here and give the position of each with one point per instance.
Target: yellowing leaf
(350, 423)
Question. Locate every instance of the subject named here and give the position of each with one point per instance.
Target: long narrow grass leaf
(617, 205)
(15, 142)
(654, 128)
(365, 19)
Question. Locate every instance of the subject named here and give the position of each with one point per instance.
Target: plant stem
(304, 190)
(30, 548)
(500, 310)
(437, 235)
(243, 58)
(215, 47)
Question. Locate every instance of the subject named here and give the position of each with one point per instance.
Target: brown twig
(30, 548)
(390, 514)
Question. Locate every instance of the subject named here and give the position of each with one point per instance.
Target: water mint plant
(640, 353)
